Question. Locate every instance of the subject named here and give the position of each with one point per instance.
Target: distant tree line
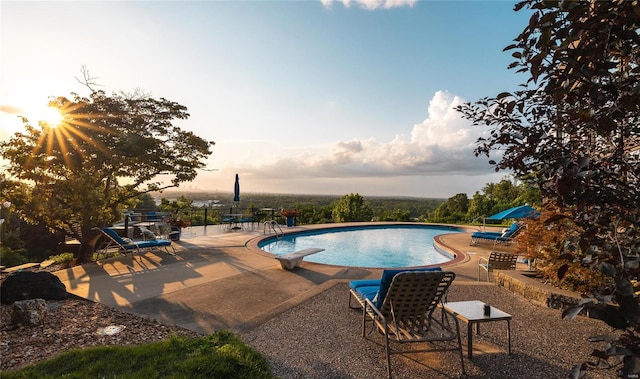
(311, 209)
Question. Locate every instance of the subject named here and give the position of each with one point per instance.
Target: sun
(49, 115)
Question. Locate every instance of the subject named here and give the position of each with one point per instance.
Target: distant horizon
(230, 194)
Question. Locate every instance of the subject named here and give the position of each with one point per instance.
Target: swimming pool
(373, 246)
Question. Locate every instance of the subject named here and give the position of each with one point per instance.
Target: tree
(480, 207)
(176, 209)
(458, 203)
(107, 151)
(146, 202)
(574, 128)
(352, 207)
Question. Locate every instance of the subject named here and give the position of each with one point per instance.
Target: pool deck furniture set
(401, 305)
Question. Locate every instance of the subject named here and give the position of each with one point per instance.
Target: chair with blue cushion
(497, 237)
(369, 288)
(404, 311)
(115, 241)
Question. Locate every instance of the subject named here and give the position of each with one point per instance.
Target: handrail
(483, 219)
(273, 225)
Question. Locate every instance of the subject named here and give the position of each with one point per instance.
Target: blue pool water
(384, 246)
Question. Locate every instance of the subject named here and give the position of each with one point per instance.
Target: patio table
(472, 312)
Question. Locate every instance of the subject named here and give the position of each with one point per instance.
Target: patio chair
(115, 241)
(405, 314)
(498, 238)
(360, 290)
(497, 261)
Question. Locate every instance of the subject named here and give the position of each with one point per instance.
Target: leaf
(555, 218)
(624, 287)
(562, 271)
(578, 371)
(630, 309)
(571, 313)
(613, 317)
(632, 265)
(602, 338)
(614, 351)
(607, 269)
(600, 354)
(583, 162)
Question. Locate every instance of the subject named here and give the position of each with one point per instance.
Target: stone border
(519, 283)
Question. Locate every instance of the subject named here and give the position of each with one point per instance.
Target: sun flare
(50, 115)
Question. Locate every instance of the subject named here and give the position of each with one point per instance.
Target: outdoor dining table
(233, 219)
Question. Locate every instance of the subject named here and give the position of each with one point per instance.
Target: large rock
(25, 285)
(29, 312)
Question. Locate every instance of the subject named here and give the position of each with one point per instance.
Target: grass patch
(100, 256)
(220, 355)
(62, 258)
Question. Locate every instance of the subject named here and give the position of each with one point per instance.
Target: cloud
(11, 109)
(440, 145)
(370, 4)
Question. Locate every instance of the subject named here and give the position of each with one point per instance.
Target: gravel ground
(321, 339)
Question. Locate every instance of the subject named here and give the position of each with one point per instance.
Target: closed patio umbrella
(523, 211)
(236, 190)
(236, 199)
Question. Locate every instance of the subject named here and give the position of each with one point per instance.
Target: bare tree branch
(88, 80)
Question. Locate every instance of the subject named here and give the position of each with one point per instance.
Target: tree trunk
(88, 246)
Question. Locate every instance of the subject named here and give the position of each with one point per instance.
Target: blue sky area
(313, 97)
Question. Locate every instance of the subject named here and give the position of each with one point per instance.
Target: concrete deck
(218, 279)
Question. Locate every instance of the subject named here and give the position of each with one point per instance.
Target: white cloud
(432, 158)
(440, 145)
(370, 4)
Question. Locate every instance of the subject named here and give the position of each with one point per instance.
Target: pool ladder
(273, 226)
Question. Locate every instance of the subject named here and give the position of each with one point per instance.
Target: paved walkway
(218, 280)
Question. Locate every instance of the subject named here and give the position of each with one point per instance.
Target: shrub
(554, 244)
(10, 257)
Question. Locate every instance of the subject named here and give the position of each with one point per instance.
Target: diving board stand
(293, 260)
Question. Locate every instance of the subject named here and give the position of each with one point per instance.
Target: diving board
(293, 260)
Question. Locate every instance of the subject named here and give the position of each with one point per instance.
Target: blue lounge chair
(403, 311)
(369, 288)
(115, 241)
(497, 237)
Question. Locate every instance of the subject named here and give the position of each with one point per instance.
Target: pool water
(385, 246)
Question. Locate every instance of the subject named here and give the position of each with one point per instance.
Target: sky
(300, 97)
